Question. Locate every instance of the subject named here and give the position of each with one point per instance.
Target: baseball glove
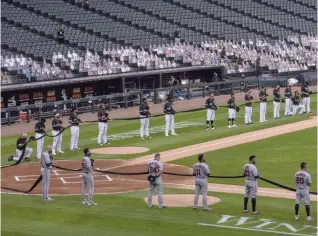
(32, 138)
(283, 100)
(237, 108)
(151, 178)
(215, 107)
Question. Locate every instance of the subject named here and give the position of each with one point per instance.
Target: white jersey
(201, 170)
(154, 167)
(250, 172)
(302, 180)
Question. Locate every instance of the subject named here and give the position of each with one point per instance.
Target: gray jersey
(302, 180)
(46, 161)
(86, 165)
(201, 170)
(154, 167)
(250, 172)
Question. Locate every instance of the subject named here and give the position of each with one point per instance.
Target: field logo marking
(153, 130)
(259, 225)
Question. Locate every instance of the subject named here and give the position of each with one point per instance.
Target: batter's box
(78, 179)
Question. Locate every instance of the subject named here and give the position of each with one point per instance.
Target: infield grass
(128, 215)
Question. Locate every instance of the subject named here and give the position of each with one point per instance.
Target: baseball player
(296, 104)
(251, 175)
(248, 107)
(74, 120)
(46, 166)
(155, 169)
(303, 181)
(57, 140)
(305, 94)
(87, 178)
(201, 171)
(263, 104)
(39, 132)
(232, 111)
(210, 112)
(21, 145)
(103, 117)
(288, 101)
(276, 102)
(169, 117)
(144, 112)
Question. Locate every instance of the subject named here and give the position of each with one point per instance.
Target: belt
(39, 132)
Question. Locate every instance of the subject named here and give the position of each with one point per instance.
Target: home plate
(182, 200)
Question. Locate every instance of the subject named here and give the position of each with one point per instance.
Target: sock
(296, 209)
(212, 123)
(308, 210)
(254, 204)
(232, 121)
(229, 121)
(207, 124)
(245, 203)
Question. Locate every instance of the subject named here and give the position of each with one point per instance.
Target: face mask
(50, 152)
(88, 154)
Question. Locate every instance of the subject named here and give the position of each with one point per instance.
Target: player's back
(302, 180)
(250, 172)
(154, 167)
(201, 170)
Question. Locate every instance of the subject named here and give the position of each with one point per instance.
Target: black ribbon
(36, 183)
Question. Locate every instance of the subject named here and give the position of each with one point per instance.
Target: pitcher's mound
(120, 150)
(182, 200)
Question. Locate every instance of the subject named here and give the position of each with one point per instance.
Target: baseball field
(279, 144)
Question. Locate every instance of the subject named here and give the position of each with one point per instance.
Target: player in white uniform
(155, 169)
(46, 166)
(251, 175)
(303, 181)
(210, 112)
(169, 117)
(201, 171)
(87, 178)
(231, 111)
(74, 120)
(39, 135)
(57, 140)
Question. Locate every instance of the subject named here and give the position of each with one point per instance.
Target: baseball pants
(45, 182)
(144, 126)
(74, 137)
(306, 103)
(87, 182)
(102, 132)
(153, 185)
(303, 194)
(169, 123)
(295, 109)
(263, 107)
(232, 113)
(250, 189)
(276, 109)
(57, 142)
(201, 186)
(248, 115)
(288, 107)
(210, 114)
(39, 145)
(28, 153)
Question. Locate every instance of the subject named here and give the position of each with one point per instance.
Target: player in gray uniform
(303, 181)
(87, 178)
(155, 169)
(201, 171)
(46, 166)
(251, 174)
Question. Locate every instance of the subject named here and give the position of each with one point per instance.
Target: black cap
(200, 157)
(86, 150)
(43, 120)
(252, 157)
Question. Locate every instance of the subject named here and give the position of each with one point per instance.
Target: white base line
(258, 230)
(208, 145)
(63, 181)
(55, 172)
(17, 178)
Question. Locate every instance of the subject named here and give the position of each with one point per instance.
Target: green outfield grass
(127, 214)
(187, 135)
(278, 158)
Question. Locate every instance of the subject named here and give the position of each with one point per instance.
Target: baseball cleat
(195, 208)
(48, 199)
(265, 120)
(213, 128)
(77, 148)
(84, 202)
(27, 159)
(162, 207)
(100, 144)
(60, 151)
(229, 126)
(38, 157)
(296, 217)
(174, 134)
(309, 218)
(148, 137)
(92, 204)
(254, 212)
(167, 135)
(245, 211)
(207, 209)
(107, 143)
(234, 125)
(10, 158)
(207, 128)
(53, 153)
(150, 206)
